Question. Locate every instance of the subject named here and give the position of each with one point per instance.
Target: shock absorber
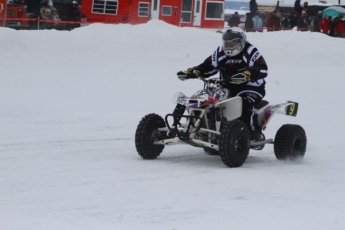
(179, 110)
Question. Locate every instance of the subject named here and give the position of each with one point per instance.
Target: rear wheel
(146, 133)
(234, 143)
(290, 142)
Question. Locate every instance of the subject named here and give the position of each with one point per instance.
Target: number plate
(291, 110)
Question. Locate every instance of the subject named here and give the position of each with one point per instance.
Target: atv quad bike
(212, 123)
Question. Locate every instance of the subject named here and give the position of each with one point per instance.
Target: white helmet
(234, 40)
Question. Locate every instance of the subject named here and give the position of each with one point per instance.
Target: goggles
(232, 44)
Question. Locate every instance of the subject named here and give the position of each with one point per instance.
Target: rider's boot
(256, 134)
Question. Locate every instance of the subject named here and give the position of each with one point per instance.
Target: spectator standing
(263, 18)
(234, 21)
(338, 27)
(303, 23)
(249, 22)
(331, 26)
(75, 14)
(285, 22)
(306, 7)
(257, 22)
(273, 22)
(253, 6)
(316, 21)
(324, 25)
(298, 8)
(294, 19)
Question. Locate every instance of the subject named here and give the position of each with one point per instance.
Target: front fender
(180, 98)
(231, 108)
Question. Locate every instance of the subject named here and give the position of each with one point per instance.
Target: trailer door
(155, 9)
(197, 12)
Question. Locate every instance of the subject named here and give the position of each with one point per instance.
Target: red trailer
(3, 7)
(196, 13)
(12, 15)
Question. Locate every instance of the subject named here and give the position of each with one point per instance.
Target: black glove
(253, 79)
(251, 74)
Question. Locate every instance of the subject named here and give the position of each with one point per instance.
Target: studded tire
(146, 133)
(290, 142)
(234, 143)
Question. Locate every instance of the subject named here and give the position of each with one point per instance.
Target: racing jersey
(249, 59)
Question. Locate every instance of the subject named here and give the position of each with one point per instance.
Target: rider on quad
(235, 56)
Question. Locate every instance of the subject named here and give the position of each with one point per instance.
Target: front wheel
(290, 142)
(234, 143)
(147, 132)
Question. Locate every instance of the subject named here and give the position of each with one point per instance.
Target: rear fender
(266, 113)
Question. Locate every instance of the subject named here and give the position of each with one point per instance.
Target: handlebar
(211, 81)
(238, 78)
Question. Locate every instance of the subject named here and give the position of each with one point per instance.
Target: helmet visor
(231, 44)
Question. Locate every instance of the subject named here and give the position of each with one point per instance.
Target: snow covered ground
(71, 101)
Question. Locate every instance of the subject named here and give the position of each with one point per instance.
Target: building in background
(198, 13)
(38, 14)
(3, 7)
(59, 14)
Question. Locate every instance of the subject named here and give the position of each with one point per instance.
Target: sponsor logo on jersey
(252, 96)
(232, 61)
(214, 55)
(256, 57)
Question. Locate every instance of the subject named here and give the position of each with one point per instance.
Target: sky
(70, 105)
(291, 2)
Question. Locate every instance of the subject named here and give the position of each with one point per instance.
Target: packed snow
(71, 102)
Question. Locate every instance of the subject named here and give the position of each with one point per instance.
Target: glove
(193, 73)
(248, 74)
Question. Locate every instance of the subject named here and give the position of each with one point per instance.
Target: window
(187, 5)
(214, 10)
(186, 13)
(143, 9)
(197, 7)
(104, 6)
(166, 10)
(155, 5)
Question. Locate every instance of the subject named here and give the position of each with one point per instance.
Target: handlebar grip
(236, 79)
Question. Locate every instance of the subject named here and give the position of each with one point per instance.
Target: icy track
(71, 101)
